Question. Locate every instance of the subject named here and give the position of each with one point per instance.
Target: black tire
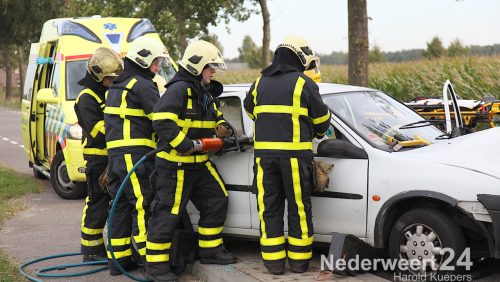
(447, 234)
(60, 181)
(38, 175)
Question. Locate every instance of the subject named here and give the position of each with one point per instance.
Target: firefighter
(130, 135)
(103, 67)
(185, 113)
(288, 113)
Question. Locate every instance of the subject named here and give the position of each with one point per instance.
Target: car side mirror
(47, 95)
(340, 149)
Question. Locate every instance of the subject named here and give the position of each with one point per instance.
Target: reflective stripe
(123, 108)
(131, 142)
(260, 197)
(182, 159)
(299, 256)
(118, 255)
(140, 238)
(84, 213)
(321, 119)
(124, 111)
(282, 145)
(297, 92)
(274, 256)
(189, 100)
(95, 151)
(279, 109)
(196, 123)
(91, 93)
(297, 191)
(165, 115)
(92, 243)
(250, 115)
(98, 127)
(158, 246)
(141, 215)
(142, 251)
(300, 242)
(157, 258)
(209, 230)
(178, 140)
(272, 241)
(254, 92)
(216, 176)
(120, 241)
(210, 243)
(91, 231)
(178, 191)
(219, 122)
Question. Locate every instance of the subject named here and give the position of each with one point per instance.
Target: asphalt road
(51, 225)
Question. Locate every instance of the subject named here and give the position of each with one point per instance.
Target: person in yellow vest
(288, 113)
(129, 136)
(103, 67)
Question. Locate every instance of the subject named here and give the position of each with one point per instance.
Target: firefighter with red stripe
(103, 67)
(288, 113)
(129, 136)
(186, 113)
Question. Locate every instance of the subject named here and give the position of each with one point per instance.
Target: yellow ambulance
(51, 134)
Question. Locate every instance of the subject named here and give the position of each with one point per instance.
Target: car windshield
(75, 70)
(381, 120)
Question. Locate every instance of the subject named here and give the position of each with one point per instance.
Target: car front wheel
(424, 234)
(61, 182)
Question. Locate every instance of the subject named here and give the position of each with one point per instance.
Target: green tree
(456, 48)
(175, 20)
(434, 49)
(250, 53)
(375, 55)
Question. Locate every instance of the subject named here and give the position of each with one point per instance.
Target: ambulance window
(75, 71)
(231, 109)
(28, 82)
(56, 79)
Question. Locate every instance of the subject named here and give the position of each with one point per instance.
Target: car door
(26, 106)
(234, 169)
(342, 207)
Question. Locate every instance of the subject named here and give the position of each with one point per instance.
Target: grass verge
(12, 186)
(13, 103)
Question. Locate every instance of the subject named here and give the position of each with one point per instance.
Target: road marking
(13, 142)
(5, 139)
(22, 146)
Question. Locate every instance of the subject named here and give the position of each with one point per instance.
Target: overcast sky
(394, 24)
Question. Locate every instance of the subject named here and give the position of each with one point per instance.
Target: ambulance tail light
(74, 131)
(140, 28)
(72, 28)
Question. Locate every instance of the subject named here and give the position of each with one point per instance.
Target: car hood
(478, 152)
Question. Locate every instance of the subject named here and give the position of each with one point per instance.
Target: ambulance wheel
(424, 234)
(60, 181)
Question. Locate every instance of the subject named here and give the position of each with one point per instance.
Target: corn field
(472, 77)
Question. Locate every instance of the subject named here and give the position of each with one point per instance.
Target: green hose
(41, 273)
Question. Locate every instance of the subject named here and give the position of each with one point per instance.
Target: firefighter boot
(89, 258)
(165, 277)
(299, 267)
(221, 257)
(127, 266)
(276, 268)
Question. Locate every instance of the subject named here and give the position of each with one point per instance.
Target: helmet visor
(218, 66)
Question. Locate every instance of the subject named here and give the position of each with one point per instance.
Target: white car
(398, 183)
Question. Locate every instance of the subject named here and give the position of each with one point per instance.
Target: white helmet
(199, 54)
(301, 48)
(144, 50)
(104, 62)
